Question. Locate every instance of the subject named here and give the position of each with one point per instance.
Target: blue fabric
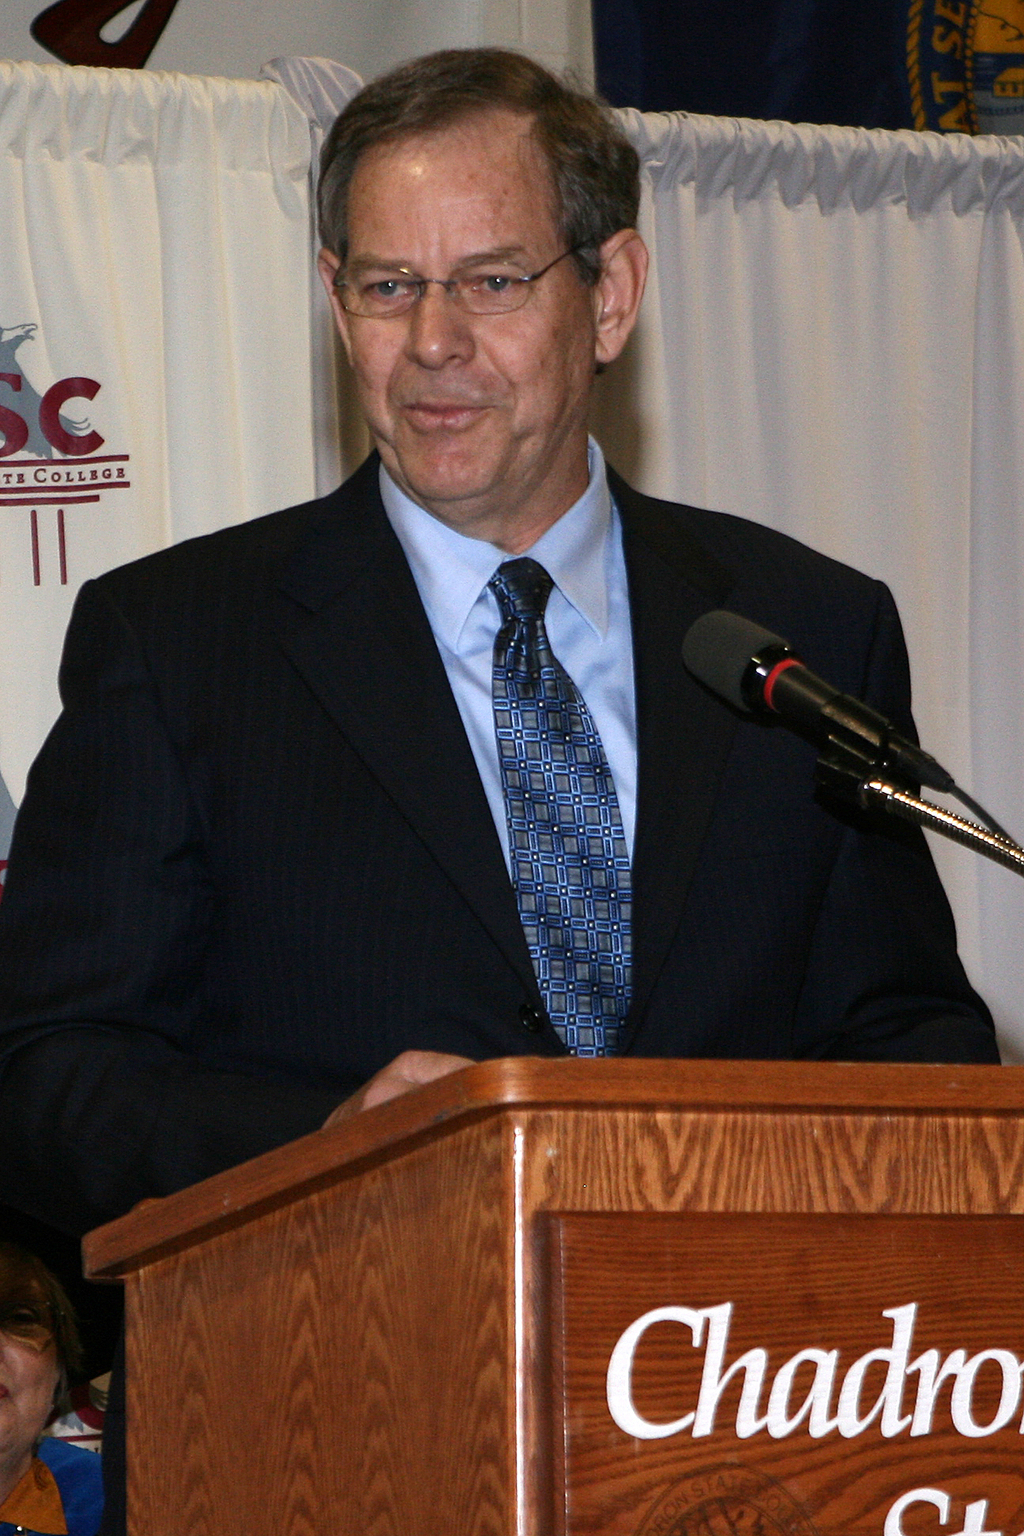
(79, 1478)
(816, 61)
(570, 866)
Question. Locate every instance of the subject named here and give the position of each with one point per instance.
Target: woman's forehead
(19, 1284)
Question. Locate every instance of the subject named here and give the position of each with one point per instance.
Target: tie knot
(522, 588)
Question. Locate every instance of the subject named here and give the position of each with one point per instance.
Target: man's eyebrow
(372, 263)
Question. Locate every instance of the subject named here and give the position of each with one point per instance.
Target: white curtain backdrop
(155, 236)
(833, 344)
(321, 88)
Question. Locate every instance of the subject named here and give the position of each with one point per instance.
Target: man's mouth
(442, 415)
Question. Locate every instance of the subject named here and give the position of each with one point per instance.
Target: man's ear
(618, 292)
(328, 265)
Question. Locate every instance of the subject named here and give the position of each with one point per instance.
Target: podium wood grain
(792, 1281)
(353, 1334)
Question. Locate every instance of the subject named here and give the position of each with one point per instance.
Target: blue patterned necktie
(570, 866)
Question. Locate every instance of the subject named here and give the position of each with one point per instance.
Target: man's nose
(440, 330)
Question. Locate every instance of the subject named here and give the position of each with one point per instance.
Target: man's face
(480, 418)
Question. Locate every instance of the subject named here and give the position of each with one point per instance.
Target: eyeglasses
(486, 290)
(28, 1322)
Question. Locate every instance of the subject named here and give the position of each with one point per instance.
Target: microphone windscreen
(719, 648)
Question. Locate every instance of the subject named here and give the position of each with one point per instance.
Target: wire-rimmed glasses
(492, 288)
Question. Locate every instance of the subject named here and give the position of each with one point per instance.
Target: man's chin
(461, 509)
(455, 492)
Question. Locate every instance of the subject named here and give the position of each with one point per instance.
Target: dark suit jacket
(255, 860)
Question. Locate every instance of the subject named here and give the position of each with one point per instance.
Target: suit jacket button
(531, 1018)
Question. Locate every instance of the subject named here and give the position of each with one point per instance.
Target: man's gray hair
(594, 168)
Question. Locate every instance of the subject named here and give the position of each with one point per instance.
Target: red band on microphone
(775, 673)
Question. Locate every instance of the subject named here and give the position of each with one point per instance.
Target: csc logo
(16, 430)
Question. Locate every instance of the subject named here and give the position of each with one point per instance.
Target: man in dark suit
(261, 876)
(262, 861)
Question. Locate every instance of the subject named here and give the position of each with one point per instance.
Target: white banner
(221, 37)
(154, 339)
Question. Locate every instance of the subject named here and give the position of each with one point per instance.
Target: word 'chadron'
(818, 1406)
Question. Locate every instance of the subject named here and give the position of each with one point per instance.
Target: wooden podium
(640, 1298)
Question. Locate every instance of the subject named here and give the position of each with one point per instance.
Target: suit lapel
(363, 643)
(356, 631)
(684, 734)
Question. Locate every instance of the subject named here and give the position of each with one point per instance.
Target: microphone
(759, 673)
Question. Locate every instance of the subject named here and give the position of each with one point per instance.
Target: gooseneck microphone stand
(863, 760)
(855, 776)
(901, 803)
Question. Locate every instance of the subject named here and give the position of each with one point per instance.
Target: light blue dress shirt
(588, 623)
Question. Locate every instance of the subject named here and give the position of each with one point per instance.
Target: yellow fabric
(35, 1502)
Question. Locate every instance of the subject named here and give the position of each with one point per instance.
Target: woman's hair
(34, 1308)
(594, 168)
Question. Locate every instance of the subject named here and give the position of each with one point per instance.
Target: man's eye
(386, 289)
(492, 282)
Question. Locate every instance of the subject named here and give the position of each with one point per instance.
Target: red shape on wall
(71, 31)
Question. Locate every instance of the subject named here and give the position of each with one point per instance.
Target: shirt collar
(35, 1502)
(451, 570)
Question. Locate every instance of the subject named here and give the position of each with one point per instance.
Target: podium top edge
(158, 1228)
